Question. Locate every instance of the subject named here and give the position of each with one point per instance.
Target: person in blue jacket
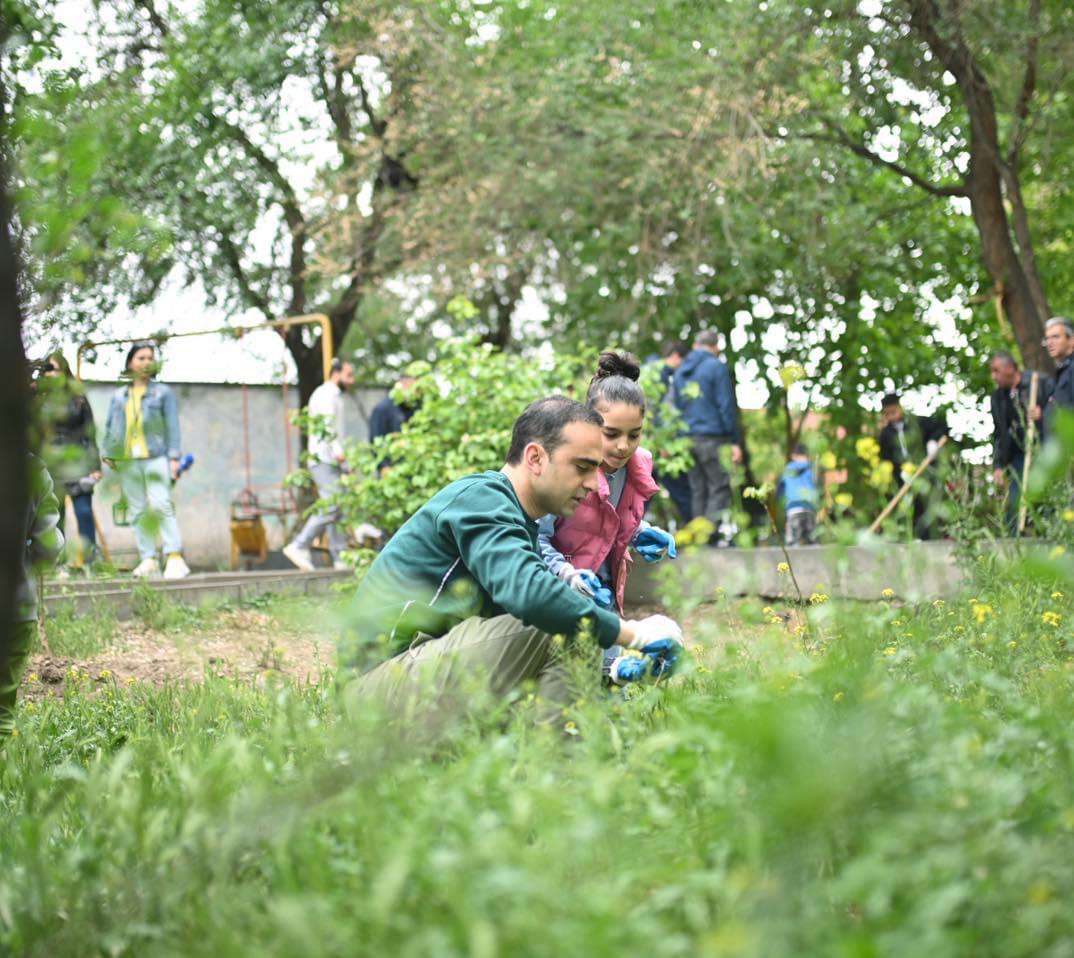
(797, 491)
(705, 395)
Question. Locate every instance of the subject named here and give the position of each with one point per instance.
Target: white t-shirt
(327, 402)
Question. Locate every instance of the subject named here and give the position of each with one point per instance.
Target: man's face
(1003, 374)
(561, 481)
(345, 377)
(1058, 343)
(890, 414)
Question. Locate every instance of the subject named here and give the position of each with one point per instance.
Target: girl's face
(622, 433)
(141, 364)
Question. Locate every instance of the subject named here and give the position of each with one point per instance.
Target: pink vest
(597, 531)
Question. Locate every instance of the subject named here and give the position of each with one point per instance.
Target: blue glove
(653, 544)
(626, 668)
(599, 593)
(662, 656)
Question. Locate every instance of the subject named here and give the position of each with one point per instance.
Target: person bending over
(461, 593)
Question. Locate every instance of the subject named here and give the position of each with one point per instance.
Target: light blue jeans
(147, 485)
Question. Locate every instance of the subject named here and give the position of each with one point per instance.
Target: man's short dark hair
(543, 422)
(1003, 356)
(677, 346)
(891, 399)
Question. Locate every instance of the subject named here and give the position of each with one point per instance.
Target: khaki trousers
(440, 679)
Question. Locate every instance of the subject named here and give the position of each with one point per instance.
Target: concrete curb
(915, 571)
(194, 590)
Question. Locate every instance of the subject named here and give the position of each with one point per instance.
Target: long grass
(878, 780)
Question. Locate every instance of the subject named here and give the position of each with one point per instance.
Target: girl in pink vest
(590, 550)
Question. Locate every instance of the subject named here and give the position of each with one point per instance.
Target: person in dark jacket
(388, 416)
(1010, 417)
(461, 593)
(678, 487)
(905, 442)
(797, 491)
(705, 395)
(70, 446)
(1059, 341)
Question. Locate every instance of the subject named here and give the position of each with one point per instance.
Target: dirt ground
(244, 644)
(252, 645)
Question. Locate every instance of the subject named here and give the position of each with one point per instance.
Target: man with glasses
(1059, 341)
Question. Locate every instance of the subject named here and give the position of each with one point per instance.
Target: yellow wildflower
(32, 677)
(1057, 594)
(818, 598)
(868, 449)
(844, 499)
(981, 611)
(783, 568)
(1068, 515)
(838, 697)
(908, 468)
(570, 728)
(890, 650)
(1051, 618)
(888, 593)
(828, 461)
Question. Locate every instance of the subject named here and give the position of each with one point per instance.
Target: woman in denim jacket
(142, 445)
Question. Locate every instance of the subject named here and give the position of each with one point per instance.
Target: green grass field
(856, 781)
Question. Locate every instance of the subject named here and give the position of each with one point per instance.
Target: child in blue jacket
(798, 495)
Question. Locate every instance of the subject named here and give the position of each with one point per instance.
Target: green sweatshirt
(470, 550)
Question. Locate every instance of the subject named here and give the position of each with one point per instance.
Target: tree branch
(841, 138)
(1028, 88)
(234, 262)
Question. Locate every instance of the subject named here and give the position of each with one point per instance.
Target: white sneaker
(176, 568)
(300, 558)
(146, 568)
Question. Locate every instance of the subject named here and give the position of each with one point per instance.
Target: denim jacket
(160, 419)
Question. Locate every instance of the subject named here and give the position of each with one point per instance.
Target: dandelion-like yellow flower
(570, 728)
(783, 568)
(1057, 594)
(1051, 618)
(32, 677)
(981, 611)
(818, 598)
(888, 593)
(868, 449)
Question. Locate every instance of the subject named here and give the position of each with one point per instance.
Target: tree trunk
(14, 410)
(1003, 263)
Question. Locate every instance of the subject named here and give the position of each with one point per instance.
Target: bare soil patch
(244, 644)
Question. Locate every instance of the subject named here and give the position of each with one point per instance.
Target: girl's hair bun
(614, 363)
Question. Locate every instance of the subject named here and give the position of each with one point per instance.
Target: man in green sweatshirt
(461, 594)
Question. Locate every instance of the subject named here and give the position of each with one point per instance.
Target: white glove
(576, 579)
(653, 629)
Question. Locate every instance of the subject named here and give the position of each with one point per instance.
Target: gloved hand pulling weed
(588, 584)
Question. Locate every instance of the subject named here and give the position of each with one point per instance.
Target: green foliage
(80, 634)
(467, 403)
(889, 779)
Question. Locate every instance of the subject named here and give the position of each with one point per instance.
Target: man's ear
(534, 458)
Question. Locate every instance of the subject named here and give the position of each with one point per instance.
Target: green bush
(467, 404)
